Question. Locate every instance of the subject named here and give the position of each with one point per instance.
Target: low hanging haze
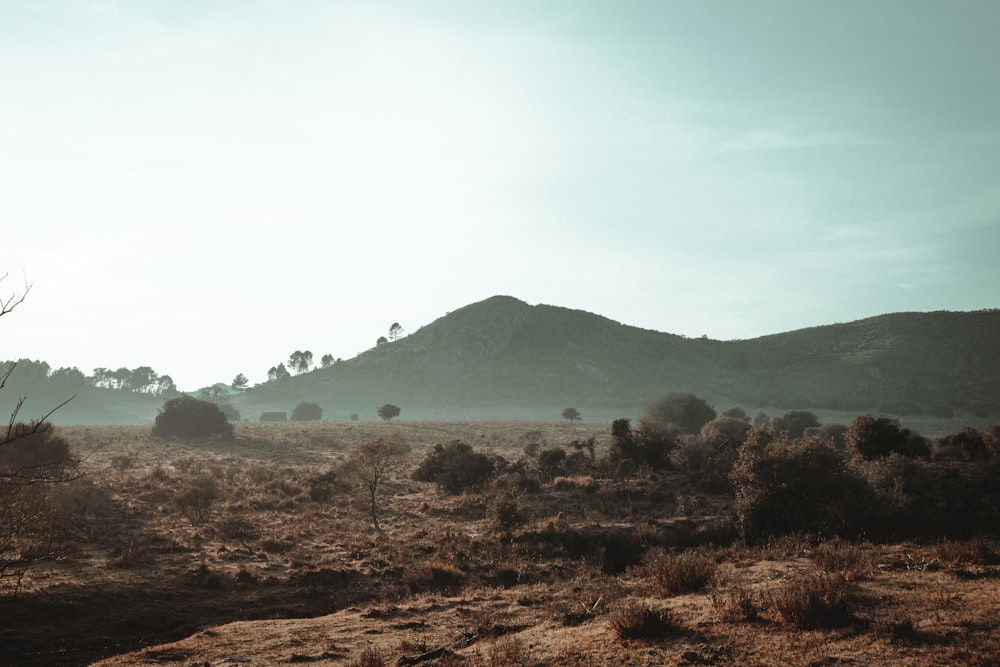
(206, 187)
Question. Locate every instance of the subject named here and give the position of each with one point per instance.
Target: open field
(259, 550)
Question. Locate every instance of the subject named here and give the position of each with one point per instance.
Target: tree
(395, 331)
(300, 361)
(142, 380)
(871, 438)
(571, 414)
(388, 411)
(382, 340)
(68, 378)
(736, 412)
(795, 423)
(186, 417)
(306, 412)
(685, 411)
(370, 462)
(326, 360)
(165, 385)
(240, 382)
(279, 372)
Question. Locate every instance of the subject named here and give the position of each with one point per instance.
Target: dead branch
(15, 299)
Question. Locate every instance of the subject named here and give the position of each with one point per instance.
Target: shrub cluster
(186, 417)
(875, 437)
(681, 572)
(635, 620)
(649, 444)
(783, 487)
(306, 412)
(885, 485)
(455, 467)
(708, 458)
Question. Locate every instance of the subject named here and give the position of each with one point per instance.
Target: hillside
(502, 358)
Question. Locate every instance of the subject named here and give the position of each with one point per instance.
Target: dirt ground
(282, 566)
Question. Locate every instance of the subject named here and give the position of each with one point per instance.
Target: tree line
(141, 380)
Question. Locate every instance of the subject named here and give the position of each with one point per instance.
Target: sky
(206, 187)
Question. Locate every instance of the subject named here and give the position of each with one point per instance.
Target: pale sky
(207, 186)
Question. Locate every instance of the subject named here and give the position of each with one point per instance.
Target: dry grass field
(259, 550)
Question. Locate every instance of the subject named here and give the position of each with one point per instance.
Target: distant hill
(505, 359)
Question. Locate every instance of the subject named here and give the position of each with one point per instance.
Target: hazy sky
(205, 187)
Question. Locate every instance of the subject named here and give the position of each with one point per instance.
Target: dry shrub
(370, 657)
(682, 572)
(584, 483)
(86, 510)
(976, 551)
(196, 500)
(505, 513)
(507, 651)
(594, 597)
(837, 555)
(238, 528)
(260, 473)
(818, 600)
(740, 603)
(637, 620)
(325, 487)
(435, 575)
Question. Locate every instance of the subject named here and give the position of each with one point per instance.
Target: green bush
(307, 412)
(455, 467)
(967, 444)
(834, 434)
(708, 458)
(232, 414)
(871, 437)
(551, 463)
(185, 417)
(795, 423)
(649, 444)
(783, 487)
(685, 411)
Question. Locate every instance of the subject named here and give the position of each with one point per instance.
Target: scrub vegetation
(514, 543)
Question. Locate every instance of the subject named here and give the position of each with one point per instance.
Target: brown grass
(638, 620)
(283, 566)
(815, 600)
(681, 572)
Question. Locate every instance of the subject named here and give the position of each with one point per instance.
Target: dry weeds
(280, 565)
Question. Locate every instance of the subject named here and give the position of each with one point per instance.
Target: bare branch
(15, 299)
(6, 374)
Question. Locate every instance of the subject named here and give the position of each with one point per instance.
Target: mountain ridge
(504, 352)
(502, 358)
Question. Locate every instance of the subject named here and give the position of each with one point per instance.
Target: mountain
(503, 358)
